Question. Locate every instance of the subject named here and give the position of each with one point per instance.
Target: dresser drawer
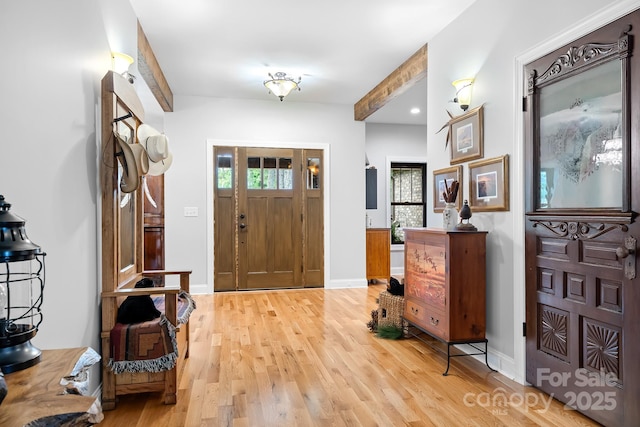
(436, 323)
(414, 312)
(427, 317)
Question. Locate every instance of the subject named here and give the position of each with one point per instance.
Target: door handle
(623, 252)
(628, 254)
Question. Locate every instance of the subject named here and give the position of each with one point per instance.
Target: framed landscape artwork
(489, 184)
(466, 135)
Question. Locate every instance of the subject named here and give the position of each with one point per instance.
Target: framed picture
(489, 184)
(466, 132)
(449, 175)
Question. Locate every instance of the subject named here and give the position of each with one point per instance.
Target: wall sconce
(463, 92)
(121, 63)
(281, 85)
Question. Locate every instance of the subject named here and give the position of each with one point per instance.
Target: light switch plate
(190, 211)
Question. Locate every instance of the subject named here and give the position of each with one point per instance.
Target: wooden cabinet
(445, 283)
(378, 253)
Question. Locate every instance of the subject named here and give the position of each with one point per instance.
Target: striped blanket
(186, 305)
(149, 346)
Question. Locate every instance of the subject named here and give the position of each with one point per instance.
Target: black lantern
(21, 288)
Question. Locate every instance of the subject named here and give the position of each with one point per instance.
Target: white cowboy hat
(135, 163)
(157, 146)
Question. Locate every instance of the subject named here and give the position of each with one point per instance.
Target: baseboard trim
(497, 360)
(346, 284)
(199, 289)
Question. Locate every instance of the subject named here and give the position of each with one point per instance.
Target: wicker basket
(390, 310)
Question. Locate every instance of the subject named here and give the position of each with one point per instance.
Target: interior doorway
(268, 218)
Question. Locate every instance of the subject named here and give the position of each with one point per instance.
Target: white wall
(386, 143)
(197, 120)
(495, 34)
(48, 158)
(57, 53)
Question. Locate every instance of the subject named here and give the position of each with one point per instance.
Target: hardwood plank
(305, 357)
(395, 84)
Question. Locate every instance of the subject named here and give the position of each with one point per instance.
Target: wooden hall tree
(122, 248)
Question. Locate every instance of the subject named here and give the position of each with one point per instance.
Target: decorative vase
(449, 216)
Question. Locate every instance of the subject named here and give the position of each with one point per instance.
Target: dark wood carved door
(582, 288)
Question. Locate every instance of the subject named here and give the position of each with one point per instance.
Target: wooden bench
(113, 384)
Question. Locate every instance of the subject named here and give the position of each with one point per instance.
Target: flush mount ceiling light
(281, 85)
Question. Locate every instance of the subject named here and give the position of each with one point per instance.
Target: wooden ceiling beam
(401, 79)
(152, 73)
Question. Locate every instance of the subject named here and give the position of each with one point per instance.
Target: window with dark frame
(408, 198)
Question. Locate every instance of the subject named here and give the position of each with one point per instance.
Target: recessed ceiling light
(415, 110)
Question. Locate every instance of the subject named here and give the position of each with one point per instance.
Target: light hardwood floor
(306, 358)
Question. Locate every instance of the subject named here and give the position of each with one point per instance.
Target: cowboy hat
(135, 163)
(157, 146)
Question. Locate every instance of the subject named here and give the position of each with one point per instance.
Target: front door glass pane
(581, 141)
(285, 174)
(254, 173)
(224, 172)
(313, 173)
(269, 174)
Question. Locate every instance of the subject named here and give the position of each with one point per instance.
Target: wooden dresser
(378, 253)
(445, 284)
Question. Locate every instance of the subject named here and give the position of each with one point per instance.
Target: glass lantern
(22, 280)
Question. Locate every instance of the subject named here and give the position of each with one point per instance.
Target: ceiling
(340, 48)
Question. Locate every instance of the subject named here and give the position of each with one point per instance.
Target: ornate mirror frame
(579, 125)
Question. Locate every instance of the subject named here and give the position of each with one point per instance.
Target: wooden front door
(268, 222)
(582, 288)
